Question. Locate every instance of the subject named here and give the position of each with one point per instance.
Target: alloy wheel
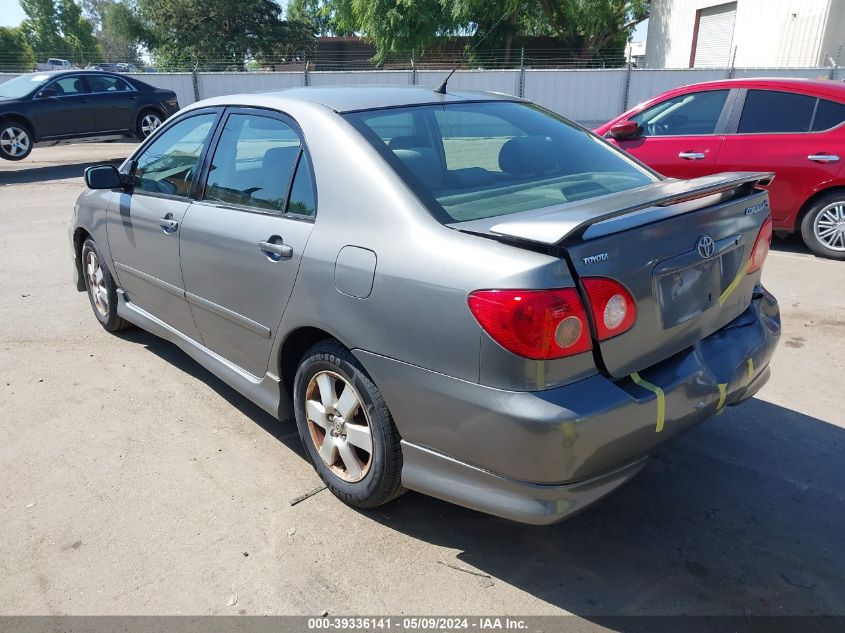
(15, 141)
(339, 425)
(97, 284)
(829, 226)
(149, 124)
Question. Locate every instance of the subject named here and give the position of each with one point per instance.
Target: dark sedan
(51, 107)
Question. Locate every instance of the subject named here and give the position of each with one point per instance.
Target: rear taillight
(761, 247)
(613, 308)
(538, 324)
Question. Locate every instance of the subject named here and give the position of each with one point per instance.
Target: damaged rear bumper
(539, 457)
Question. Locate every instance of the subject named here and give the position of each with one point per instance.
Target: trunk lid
(648, 240)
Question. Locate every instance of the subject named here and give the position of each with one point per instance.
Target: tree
(57, 28)
(110, 18)
(584, 28)
(212, 34)
(318, 14)
(77, 32)
(15, 52)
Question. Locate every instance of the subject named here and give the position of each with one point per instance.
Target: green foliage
(212, 34)
(57, 28)
(15, 52)
(324, 18)
(113, 19)
(582, 27)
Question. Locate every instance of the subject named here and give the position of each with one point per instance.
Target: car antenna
(441, 89)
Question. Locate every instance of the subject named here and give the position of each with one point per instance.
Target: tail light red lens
(613, 308)
(538, 324)
(761, 247)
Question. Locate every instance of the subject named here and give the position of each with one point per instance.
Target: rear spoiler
(615, 212)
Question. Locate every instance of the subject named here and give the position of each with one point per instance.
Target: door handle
(691, 155)
(823, 158)
(168, 224)
(276, 250)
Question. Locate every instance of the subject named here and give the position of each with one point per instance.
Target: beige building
(749, 33)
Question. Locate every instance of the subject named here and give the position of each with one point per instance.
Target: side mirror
(103, 177)
(626, 130)
(47, 93)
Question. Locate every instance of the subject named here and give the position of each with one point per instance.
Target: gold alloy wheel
(97, 284)
(339, 426)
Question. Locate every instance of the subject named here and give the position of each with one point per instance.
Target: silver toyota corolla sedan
(461, 294)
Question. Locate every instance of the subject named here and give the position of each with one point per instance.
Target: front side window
(107, 83)
(770, 111)
(67, 86)
(168, 165)
(691, 114)
(479, 160)
(253, 162)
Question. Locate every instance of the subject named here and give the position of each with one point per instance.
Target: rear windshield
(469, 161)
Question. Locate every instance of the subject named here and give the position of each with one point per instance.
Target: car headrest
(78, 86)
(280, 159)
(525, 155)
(407, 142)
(423, 163)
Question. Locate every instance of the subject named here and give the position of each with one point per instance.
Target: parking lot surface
(132, 481)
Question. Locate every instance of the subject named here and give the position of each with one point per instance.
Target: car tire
(361, 474)
(102, 291)
(148, 122)
(15, 140)
(823, 226)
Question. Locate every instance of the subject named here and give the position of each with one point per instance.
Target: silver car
(461, 294)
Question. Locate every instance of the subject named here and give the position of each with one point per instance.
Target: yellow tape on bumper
(661, 399)
(723, 394)
(743, 271)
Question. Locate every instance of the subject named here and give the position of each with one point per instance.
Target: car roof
(353, 98)
(815, 87)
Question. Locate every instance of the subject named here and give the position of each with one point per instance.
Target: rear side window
(169, 163)
(828, 114)
(772, 111)
(685, 115)
(468, 161)
(253, 162)
(302, 200)
(105, 83)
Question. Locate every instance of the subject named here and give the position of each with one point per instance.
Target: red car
(790, 126)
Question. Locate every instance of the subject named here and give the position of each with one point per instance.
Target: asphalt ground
(132, 481)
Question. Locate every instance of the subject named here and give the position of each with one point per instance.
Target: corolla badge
(706, 246)
(763, 206)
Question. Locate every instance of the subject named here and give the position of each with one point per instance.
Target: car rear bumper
(539, 457)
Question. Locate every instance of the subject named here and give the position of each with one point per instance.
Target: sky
(11, 13)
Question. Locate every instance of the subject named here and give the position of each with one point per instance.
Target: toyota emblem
(706, 246)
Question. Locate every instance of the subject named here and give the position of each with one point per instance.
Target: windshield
(22, 86)
(469, 161)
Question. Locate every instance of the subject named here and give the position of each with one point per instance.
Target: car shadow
(29, 175)
(792, 243)
(284, 431)
(741, 516)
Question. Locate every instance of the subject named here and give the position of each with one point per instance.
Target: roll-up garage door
(715, 35)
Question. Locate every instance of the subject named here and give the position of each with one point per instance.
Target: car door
(112, 102)
(63, 108)
(144, 224)
(680, 137)
(789, 134)
(242, 241)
